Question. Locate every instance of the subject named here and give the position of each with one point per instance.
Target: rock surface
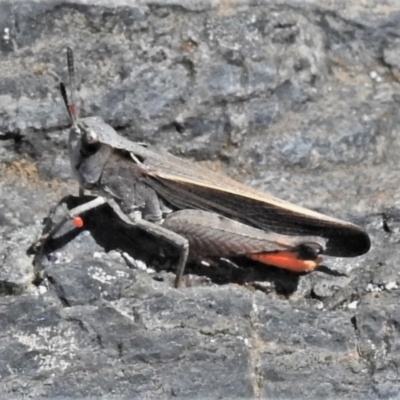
(296, 98)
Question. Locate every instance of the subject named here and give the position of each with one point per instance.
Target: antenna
(70, 103)
(64, 95)
(71, 73)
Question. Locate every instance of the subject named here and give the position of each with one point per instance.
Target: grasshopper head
(87, 154)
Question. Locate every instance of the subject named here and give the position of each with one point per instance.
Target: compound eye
(88, 146)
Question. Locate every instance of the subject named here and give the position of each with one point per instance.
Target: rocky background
(297, 98)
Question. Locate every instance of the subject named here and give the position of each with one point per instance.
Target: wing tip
(364, 243)
(352, 243)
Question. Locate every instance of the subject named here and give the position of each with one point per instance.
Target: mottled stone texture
(299, 98)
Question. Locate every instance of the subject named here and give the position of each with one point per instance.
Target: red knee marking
(78, 222)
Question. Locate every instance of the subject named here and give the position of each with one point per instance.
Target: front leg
(68, 200)
(50, 230)
(154, 229)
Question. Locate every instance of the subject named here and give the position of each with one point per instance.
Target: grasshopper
(200, 212)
